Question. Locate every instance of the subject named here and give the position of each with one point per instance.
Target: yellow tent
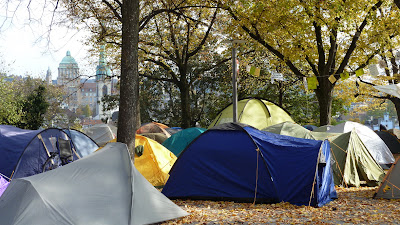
(155, 162)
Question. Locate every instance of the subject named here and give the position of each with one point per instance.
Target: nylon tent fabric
(390, 140)
(173, 130)
(178, 142)
(38, 150)
(159, 137)
(390, 186)
(375, 145)
(258, 113)
(224, 164)
(153, 127)
(310, 127)
(324, 128)
(84, 145)
(156, 161)
(353, 163)
(101, 133)
(3, 185)
(289, 129)
(13, 141)
(102, 188)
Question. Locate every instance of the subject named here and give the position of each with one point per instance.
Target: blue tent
(13, 141)
(235, 162)
(84, 145)
(178, 141)
(26, 152)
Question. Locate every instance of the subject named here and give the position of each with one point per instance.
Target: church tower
(103, 82)
(49, 78)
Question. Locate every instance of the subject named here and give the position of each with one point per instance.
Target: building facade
(68, 78)
(82, 92)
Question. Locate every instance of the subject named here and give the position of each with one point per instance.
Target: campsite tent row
(352, 160)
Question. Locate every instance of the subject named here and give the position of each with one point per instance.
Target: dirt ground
(353, 206)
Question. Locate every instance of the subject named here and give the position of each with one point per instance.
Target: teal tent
(178, 141)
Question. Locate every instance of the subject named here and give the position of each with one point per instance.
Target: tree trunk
(129, 89)
(185, 106)
(324, 95)
(396, 102)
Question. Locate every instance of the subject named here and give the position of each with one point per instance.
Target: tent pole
(234, 83)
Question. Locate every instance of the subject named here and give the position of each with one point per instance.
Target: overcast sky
(24, 52)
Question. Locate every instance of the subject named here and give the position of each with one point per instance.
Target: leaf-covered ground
(353, 206)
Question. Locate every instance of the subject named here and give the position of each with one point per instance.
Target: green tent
(352, 161)
(390, 186)
(178, 141)
(255, 112)
(290, 129)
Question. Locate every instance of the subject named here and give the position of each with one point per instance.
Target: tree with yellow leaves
(323, 39)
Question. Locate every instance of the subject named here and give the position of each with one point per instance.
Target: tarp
(390, 186)
(84, 145)
(229, 162)
(259, 113)
(375, 145)
(102, 188)
(101, 133)
(391, 89)
(13, 141)
(178, 142)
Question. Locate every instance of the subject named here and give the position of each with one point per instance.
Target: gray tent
(102, 188)
(102, 133)
(390, 186)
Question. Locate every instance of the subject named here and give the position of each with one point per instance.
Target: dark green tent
(178, 141)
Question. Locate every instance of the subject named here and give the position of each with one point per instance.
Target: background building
(68, 77)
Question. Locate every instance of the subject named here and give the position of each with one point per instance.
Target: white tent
(102, 188)
(375, 145)
(101, 133)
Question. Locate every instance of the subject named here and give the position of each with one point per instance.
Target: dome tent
(256, 112)
(154, 161)
(178, 141)
(153, 127)
(233, 161)
(102, 188)
(101, 133)
(25, 152)
(375, 145)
